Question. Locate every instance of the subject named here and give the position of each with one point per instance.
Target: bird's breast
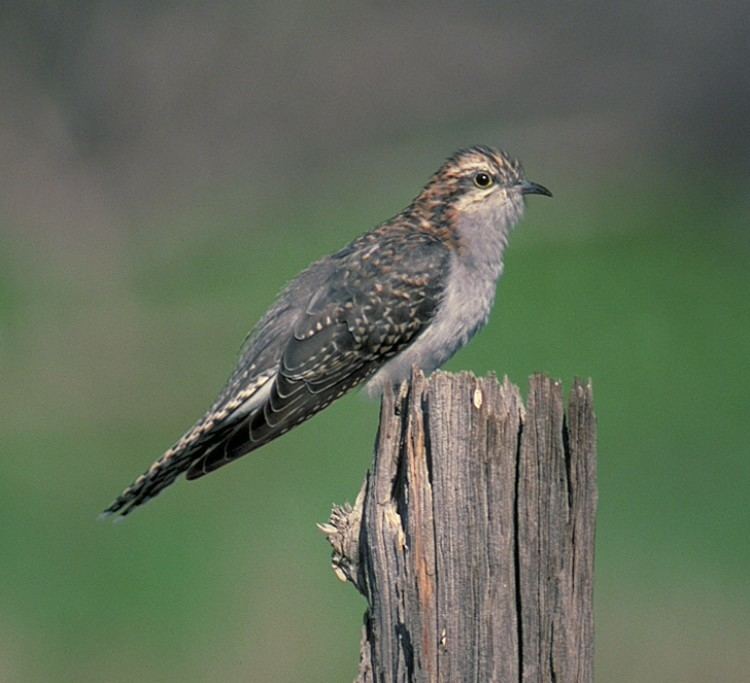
(464, 309)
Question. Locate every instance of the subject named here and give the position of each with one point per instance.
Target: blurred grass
(642, 286)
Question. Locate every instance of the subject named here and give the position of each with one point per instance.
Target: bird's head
(479, 183)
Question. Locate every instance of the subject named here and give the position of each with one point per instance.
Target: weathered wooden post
(472, 538)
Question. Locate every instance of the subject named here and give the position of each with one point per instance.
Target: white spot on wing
(256, 400)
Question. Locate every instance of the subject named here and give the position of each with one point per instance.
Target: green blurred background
(167, 167)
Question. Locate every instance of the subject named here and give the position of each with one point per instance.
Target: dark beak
(527, 187)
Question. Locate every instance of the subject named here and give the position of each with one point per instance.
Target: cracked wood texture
(472, 538)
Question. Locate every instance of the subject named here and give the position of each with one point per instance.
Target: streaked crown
(470, 169)
(459, 170)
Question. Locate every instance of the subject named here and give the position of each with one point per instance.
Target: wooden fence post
(472, 537)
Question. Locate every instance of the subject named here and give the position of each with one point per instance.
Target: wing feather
(349, 329)
(330, 330)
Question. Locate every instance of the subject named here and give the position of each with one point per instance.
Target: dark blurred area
(113, 106)
(167, 166)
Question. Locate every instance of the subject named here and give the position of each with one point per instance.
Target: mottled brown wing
(298, 392)
(368, 312)
(330, 329)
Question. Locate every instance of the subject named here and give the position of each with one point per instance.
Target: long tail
(211, 430)
(160, 475)
(166, 469)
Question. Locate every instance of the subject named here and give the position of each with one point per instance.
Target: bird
(409, 293)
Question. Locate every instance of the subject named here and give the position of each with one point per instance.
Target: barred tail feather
(160, 475)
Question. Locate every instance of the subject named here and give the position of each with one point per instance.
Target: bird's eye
(483, 180)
